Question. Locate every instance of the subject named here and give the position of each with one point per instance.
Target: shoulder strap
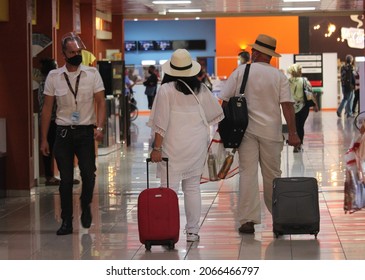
(190, 90)
(201, 110)
(244, 81)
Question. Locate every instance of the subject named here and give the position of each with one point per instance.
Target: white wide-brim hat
(266, 45)
(181, 65)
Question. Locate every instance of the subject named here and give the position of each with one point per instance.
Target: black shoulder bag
(233, 126)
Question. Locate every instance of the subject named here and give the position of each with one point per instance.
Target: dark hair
(201, 72)
(64, 43)
(349, 58)
(192, 82)
(245, 55)
(47, 64)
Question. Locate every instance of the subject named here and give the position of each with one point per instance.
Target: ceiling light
(184, 10)
(301, 0)
(170, 2)
(148, 62)
(286, 9)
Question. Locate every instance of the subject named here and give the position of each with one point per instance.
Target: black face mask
(75, 60)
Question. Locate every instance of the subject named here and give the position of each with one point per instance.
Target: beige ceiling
(222, 8)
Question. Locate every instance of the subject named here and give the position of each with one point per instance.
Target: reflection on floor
(28, 224)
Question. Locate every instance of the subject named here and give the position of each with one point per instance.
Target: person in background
(128, 83)
(348, 85)
(78, 91)
(244, 57)
(47, 65)
(204, 78)
(180, 122)
(88, 58)
(297, 83)
(267, 94)
(356, 103)
(151, 85)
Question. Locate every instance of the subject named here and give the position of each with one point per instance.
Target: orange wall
(234, 34)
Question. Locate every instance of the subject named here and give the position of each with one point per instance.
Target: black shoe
(247, 228)
(52, 181)
(66, 227)
(86, 217)
(338, 114)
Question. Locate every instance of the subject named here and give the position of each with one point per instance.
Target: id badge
(75, 117)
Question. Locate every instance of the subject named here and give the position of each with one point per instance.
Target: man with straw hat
(267, 92)
(181, 116)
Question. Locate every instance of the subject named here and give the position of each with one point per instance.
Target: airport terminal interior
(28, 224)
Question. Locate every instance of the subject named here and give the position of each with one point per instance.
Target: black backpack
(233, 127)
(347, 77)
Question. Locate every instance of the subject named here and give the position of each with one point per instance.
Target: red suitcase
(158, 215)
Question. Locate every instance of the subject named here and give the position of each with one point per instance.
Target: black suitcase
(295, 206)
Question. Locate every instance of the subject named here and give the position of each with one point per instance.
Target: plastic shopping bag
(354, 189)
(217, 151)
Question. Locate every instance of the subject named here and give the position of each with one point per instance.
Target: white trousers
(192, 200)
(255, 151)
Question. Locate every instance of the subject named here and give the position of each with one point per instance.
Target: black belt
(76, 126)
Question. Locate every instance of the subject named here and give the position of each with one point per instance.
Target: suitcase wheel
(276, 233)
(148, 245)
(171, 245)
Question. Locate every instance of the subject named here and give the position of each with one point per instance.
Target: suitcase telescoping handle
(148, 160)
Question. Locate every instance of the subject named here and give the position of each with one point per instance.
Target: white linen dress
(178, 118)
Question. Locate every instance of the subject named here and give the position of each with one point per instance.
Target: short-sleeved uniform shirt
(89, 84)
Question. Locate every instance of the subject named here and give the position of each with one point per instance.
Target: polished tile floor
(28, 224)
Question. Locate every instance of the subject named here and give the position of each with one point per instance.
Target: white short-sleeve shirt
(89, 84)
(266, 88)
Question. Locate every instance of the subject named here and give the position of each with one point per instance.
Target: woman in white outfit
(180, 120)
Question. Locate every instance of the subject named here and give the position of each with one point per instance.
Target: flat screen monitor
(163, 45)
(130, 46)
(189, 44)
(196, 45)
(145, 46)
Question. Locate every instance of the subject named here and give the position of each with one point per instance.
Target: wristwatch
(100, 129)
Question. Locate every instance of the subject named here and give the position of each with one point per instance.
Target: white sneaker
(192, 237)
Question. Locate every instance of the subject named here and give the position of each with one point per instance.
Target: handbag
(308, 94)
(232, 128)
(150, 91)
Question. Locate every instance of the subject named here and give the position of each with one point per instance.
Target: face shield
(72, 36)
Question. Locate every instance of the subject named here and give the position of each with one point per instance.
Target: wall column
(88, 14)
(16, 100)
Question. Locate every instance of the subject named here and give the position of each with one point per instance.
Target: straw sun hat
(181, 65)
(266, 45)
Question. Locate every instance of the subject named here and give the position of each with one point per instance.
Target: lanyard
(76, 85)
